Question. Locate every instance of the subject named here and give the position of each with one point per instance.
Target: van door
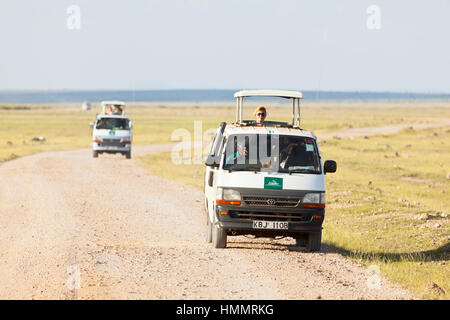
(211, 173)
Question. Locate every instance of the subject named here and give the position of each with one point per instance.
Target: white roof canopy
(294, 95)
(121, 103)
(269, 93)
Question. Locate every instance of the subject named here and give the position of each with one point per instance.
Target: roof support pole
(298, 112)
(293, 112)
(237, 109)
(242, 107)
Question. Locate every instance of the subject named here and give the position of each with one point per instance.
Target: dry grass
(383, 204)
(67, 127)
(387, 204)
(398, 215)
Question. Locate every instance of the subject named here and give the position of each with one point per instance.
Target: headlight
(231, 195)
(228, 194)
(314, 198)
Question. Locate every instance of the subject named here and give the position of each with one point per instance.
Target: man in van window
(100, 124)
(260, 114)
(297, 155)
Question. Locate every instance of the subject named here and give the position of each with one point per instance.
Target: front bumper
(239, 219)
(112, 148)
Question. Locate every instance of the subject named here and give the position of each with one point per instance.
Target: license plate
(259, 224)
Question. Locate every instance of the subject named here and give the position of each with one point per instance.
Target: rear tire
(95, 154)
(314, 242)
(219, 237)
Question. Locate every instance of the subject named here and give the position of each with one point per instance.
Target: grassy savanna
(387, 203)
(388, 206)
(67, 127)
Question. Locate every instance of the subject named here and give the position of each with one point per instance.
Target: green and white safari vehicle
(266, 179)
(112, 130)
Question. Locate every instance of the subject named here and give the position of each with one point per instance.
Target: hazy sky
(225, 44)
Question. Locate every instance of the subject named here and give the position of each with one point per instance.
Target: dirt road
(75, 227)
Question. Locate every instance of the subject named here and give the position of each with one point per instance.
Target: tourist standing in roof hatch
(260, 114)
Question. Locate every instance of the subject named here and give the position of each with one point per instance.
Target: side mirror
(330, 166)
(131, 124)
(91, 124)
(211, 161)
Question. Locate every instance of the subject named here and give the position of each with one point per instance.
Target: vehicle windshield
(113, 124)
(272, 153)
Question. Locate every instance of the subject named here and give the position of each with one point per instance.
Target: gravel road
(75, 227)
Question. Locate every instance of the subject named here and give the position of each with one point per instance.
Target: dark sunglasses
(261, 114)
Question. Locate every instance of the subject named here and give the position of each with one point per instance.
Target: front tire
(95, 154)
(314, 242)
(219, 237)
(128, 155)
(300, 242)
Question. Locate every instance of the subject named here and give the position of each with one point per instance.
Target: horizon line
(214, 89)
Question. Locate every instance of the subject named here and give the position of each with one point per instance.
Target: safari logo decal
(273, 183)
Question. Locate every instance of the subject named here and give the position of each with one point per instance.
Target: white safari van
(112, 130)
(265, 179)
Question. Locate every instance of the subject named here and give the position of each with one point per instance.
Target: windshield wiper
(303, 171)
(244, 169)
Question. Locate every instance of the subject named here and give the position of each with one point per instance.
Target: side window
(215, 146)
(211, 151)
(311, 148)
(215, 151)
(222, 152)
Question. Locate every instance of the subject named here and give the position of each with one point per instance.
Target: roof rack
(279, 124)
(294, 95)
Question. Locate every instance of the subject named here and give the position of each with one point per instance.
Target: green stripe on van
(273, 183)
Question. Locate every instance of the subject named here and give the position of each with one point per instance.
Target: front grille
(270, 216)
(256, 201)
(111, 143)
